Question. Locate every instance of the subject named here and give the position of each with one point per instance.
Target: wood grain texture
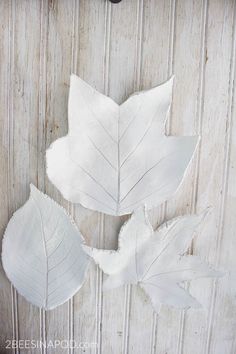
(121, 48)
(6, 305)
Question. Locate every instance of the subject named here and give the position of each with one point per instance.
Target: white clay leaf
(110, 261)
(42, 252)
(155, 260)
(117, 158)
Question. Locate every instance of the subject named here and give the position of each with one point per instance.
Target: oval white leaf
(42, 254)
(117, 158)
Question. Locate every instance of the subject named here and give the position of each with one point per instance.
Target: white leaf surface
(116, 158)
(42, 252)
(155, 260)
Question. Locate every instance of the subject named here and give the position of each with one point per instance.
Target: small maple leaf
(155, 260)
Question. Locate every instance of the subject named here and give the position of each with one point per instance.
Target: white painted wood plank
(184, 120)
(42, 127)
(222, 334)
(6, 325)
(184, 64)
(23, 117)
(153, 61)
(90, 61)
(212, 164)
(121, 83)
(59, 44)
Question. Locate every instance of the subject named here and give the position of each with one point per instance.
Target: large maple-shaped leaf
(155, 260)
(116, 158)
(42, 252)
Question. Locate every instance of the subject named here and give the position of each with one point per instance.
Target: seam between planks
(137, 82)
(170, 68)
(200, 104)
(224, 179)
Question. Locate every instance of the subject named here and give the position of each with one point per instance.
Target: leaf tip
(35, 192)
(33, 189)
(171, 79)
(169, 84)
(73, 77)
(76, 82)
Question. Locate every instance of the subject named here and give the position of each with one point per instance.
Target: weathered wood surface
(121, 48)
